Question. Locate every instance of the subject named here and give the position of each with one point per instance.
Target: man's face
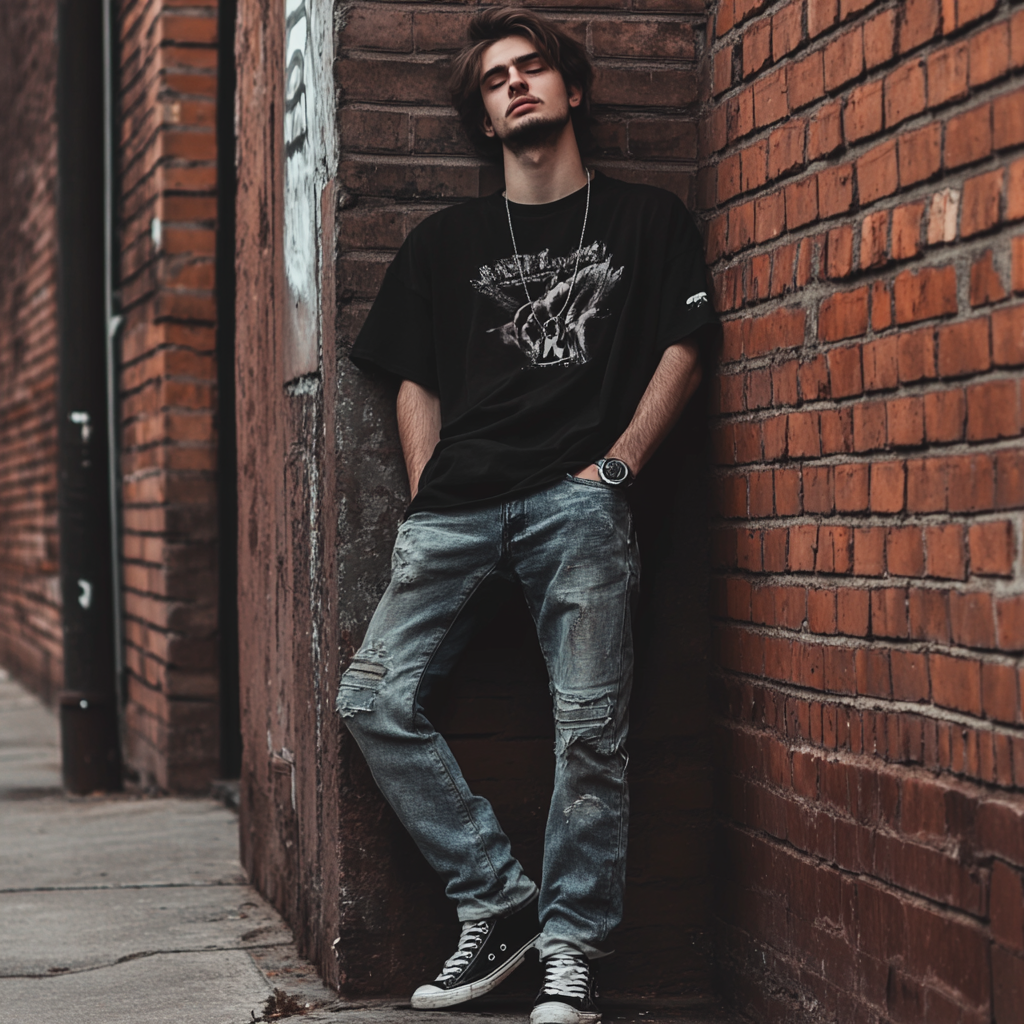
(526, 102)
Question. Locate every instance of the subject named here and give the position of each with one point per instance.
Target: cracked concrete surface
(133, 910)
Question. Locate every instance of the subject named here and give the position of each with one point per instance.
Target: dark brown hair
(561, 51)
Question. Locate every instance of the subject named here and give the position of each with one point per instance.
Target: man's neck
(545, 174)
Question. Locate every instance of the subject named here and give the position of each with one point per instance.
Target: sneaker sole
(440, 998)
(562, 1013)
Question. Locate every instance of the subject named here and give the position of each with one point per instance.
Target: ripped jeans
(571, 548)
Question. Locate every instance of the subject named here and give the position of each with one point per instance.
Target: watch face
(614, 471)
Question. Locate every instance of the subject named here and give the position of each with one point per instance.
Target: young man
(544, 340)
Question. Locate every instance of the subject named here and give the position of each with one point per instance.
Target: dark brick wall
(30, 616)
(863, 172)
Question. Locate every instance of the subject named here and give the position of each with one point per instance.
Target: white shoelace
(566, 975)
(473, 934)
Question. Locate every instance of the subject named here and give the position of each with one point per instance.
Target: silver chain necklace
(553, 328)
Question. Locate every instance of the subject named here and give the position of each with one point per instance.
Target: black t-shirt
(535, 386)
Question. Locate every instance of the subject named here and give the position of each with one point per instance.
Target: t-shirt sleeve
(686, 297)
(398, 335)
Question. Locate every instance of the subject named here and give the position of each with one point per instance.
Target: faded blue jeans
(571, 548)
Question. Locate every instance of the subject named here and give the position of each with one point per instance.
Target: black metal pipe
(227, 491)
(88, 703)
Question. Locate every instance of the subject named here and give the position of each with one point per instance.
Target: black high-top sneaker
(568, 993)
(488, 952)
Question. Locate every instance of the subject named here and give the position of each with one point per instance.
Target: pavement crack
(108, 886)
(63, 972)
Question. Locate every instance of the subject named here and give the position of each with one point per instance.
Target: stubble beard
(533, 134)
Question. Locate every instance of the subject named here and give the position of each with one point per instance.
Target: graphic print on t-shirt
(549, 323)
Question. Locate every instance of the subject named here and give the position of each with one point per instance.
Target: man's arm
(671, 387)
(419, 427)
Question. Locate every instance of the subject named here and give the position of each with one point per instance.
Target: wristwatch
(614, 472)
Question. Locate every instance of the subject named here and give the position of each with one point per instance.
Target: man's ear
(575, 96)
(488, 128)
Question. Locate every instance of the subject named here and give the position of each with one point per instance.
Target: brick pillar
(30, 615)
(167, 224)
(864, 171)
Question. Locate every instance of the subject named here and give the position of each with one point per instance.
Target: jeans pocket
(584, 482)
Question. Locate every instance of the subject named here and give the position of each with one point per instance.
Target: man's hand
(588, 473)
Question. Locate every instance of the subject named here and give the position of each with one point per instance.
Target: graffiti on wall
(302, 138)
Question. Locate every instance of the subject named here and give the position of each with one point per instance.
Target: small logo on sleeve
(696, 300)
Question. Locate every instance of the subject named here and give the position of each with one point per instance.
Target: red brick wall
(167, 207)
(30, 617)
(863, 169)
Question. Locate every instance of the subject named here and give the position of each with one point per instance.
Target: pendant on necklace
(554, 330)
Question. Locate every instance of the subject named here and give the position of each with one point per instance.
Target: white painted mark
(156, 233)
(85, 597)
(83, 420)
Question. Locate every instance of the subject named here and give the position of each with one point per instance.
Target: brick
(879, 39)
(928, 611)
(889, 612)
(946, 557)
(843, 315)
(757, 47)
(874, 240)
(944, 416)
(844, 59)
(906, 231)
(904, 93)
(741, 227)
(814, 379)
(787, 492)
(956, 683)
(728, 178)
(805, 80)
(964, 348)
(781, 329)
(905, 421)
(869, 551)
(821, 611)
(786, 148)
(971, 619)
(879, 362)
(920, 154)
(904, 551)
(999, 696)
(981, 196)
(787, 30)
(839, 252)
(1015, 189)
(924, 295)
(851, 488)
(887, 486)
(919, 24)
(877, 172)
(753, 166)
(986, 284)
(992, 548)
(770, 99)
(947, 75)
(992, 410)
(881, 306)
(1009, 480)
(784, 383)
(825, 131)
(969, 137)
(821, 16)
(863, 116)
(1008, 336)
(943, 212)
(1006, 900)
(989, 54)
(803, 435)
(379, 29)
(801, 202)
(1010, 614)
(970, 483)
(835, 190)
(769, 218)
(1008, 120)
(721, 75)
(845, 372)
(853, 618)
(869, 433)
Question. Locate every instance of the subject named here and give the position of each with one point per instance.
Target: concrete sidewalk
(134, 910)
